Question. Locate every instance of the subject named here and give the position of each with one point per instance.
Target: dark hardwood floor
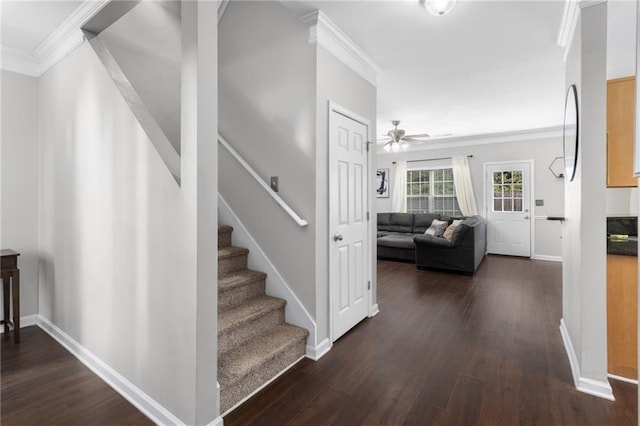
(446, 349)
(43, 384)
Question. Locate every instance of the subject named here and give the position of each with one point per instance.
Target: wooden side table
(10, 275)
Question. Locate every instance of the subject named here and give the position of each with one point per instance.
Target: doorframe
(532, 206)
(339, 109)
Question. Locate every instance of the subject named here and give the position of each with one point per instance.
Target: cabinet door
(620, 131)
(622, 315)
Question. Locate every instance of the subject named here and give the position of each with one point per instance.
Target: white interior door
(348, 179)
(508, 194)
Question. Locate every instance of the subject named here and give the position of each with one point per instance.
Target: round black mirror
(570, 133)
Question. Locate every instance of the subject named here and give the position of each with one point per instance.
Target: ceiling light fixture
(438, 7)
(395, 146)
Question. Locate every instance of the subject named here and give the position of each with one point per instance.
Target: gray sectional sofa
(401, 237)
(396, 232)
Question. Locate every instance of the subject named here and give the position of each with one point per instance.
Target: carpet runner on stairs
(254, 341)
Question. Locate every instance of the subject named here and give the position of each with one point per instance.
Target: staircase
(254, 341)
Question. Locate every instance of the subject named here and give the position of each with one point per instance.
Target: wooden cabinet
(622, 315)
(621, 96)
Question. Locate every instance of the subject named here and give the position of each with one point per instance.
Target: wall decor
(382, 179)
(570, 136)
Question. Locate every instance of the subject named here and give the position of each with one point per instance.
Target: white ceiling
(487, 67)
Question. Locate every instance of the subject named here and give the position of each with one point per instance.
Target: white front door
(508, 218)
(348, 201)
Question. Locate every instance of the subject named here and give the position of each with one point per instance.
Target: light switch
(539, 203)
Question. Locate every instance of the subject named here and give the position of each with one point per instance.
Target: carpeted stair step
(237, 287)
(254, 317)
(231, 259)
(224, 236)
(247, 367)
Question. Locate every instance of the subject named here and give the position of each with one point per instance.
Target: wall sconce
(557, 167)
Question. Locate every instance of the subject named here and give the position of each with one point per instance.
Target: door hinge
(367, 215)
(368, 285)
(368, 144)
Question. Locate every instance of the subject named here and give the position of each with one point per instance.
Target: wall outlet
(274, 183)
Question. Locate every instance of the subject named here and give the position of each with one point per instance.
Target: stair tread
(231, 251)
(224, 229)
(248, 357)
(238, 279)
(252, 309)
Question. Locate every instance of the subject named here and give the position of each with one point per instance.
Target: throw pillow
(448, 233)
(437, 228)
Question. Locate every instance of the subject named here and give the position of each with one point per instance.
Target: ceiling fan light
(404, 146)
(438, 7)
(395, 147)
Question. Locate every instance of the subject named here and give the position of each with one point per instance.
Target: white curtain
(399, 194)
(464, 188)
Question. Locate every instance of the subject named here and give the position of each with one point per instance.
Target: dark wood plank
(42, 383)
(446, 349)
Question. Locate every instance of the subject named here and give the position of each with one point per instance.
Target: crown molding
(59, 44)
(589, 3)
(19, 61)
(568, 25)
(485, 139)
(222, 7)
(325, 33)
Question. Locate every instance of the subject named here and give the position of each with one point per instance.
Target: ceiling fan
(398, 140)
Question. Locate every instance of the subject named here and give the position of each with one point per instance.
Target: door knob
(526, 217)
(337, 237)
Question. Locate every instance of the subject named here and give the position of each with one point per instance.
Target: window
(507, 191)
(432, 191)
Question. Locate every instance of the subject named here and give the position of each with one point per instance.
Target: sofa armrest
(430, 240)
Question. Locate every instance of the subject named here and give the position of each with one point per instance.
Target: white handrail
(256, 176)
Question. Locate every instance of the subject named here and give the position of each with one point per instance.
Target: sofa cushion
(459, 233)
(437, 228)
(401, 222)
(433, 241)
(383, 221)
(422, 222)
(397, 240)
(448, 233)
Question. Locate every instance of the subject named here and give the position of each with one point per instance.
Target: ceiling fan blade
(410, 139)
(385, 140)
(418, 136)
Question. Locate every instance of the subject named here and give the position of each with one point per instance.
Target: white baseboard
(295, 312)
(374, 311)
(25, 321)
(623, 379)
(320, 350)
(547, 257)
(143, 402)
(264, 385)
(593, 387)
(217, 422)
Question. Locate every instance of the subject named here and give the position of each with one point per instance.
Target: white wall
(122, 246)
(584, 243)
(622, 202)
(274, 93)
(19, 177)
(267, 113)
(337, 83)
(546, 187)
